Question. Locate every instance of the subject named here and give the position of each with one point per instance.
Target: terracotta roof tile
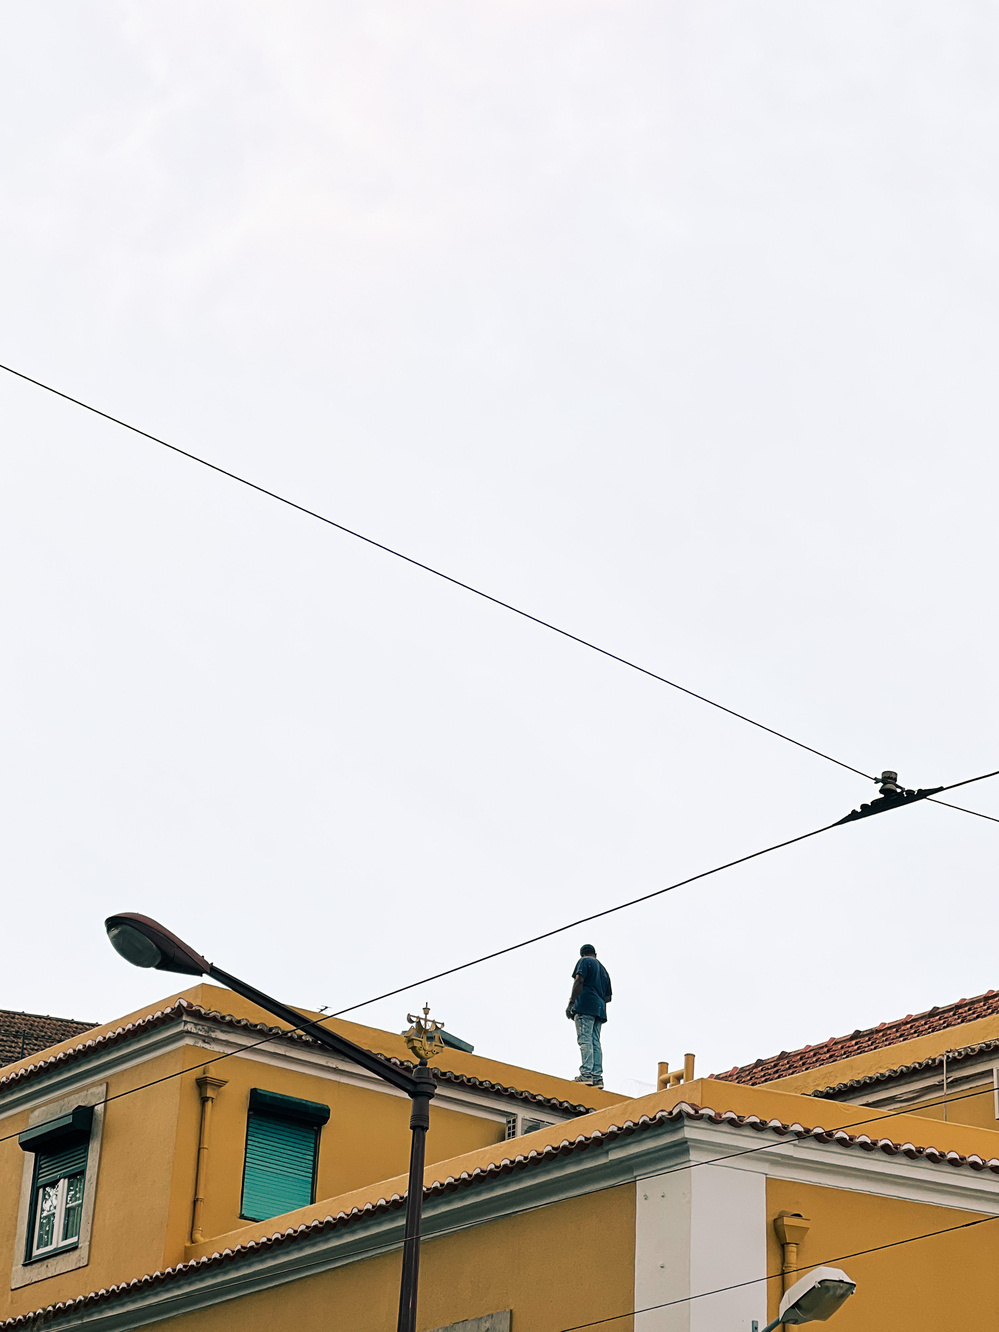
(863, 1040)
(24, 1034)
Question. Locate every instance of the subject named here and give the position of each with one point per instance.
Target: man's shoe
(585, 1081)
(596, 1082)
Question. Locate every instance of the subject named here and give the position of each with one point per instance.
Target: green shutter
(50, 1166)
(280, 1166)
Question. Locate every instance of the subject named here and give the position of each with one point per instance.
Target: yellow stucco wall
(367, 1137)
(146, 1177)
(968, 1106)
(134, 1187)
(568, 1263)
(763, 1102)
(933, 1285)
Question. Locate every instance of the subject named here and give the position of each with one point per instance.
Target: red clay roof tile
(24, 1034)
(863, 1040)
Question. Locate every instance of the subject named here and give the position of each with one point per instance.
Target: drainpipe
(791, 1229)
(209, 1089)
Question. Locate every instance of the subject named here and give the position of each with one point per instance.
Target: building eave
(183, 1009)
(388, 1205)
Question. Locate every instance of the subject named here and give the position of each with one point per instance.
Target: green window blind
(50, 1166)
(280, 1168)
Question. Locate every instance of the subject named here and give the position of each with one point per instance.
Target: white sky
(675, 323)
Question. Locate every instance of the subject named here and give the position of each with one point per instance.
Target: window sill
(55, 1252)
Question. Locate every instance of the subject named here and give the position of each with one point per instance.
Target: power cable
(427, 568)
(968, 781)
(880, 1117)
(963, 808)
(893, 796)
(582, 920)
(753, 855)
(419, 564)
(597, 915)
(500, 952)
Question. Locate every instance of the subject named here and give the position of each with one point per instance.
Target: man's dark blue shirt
(592, 998)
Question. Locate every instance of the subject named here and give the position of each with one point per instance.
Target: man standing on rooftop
(591, 993)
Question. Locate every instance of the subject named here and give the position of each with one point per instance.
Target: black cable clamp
(892, 795)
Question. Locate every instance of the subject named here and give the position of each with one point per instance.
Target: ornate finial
(424, 1036)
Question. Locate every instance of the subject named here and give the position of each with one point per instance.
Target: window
(282, 1152)
(60, 1148)
(58, 1203)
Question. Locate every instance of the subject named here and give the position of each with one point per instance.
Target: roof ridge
(46, 1017)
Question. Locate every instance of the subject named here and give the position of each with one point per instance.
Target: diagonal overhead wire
(499, 952)
(963, 808)
(524, 943)
(623, 906)
(467, 587)
(967, 781)
(437, 573)
(585, 920)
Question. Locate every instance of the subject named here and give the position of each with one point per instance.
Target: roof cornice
(182, 1009)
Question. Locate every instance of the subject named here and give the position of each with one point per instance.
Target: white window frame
(60, 1216)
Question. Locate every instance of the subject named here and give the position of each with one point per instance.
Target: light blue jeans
(588, 1037)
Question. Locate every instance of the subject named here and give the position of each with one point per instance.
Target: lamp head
(816, 1296)
(146, 943)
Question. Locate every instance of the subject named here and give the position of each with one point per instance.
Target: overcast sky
(674, 323)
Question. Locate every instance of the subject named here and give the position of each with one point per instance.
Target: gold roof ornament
(424, 1036)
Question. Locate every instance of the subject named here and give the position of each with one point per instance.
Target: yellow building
(197, 1167)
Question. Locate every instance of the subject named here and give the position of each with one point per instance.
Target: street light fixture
(813, 1299)
(146, 943)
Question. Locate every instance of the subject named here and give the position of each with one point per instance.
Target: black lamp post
(146, 943)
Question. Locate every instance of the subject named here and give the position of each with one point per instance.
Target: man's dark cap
(587, 950)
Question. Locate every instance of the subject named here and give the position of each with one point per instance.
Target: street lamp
(146, 943)
(814, 1298)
